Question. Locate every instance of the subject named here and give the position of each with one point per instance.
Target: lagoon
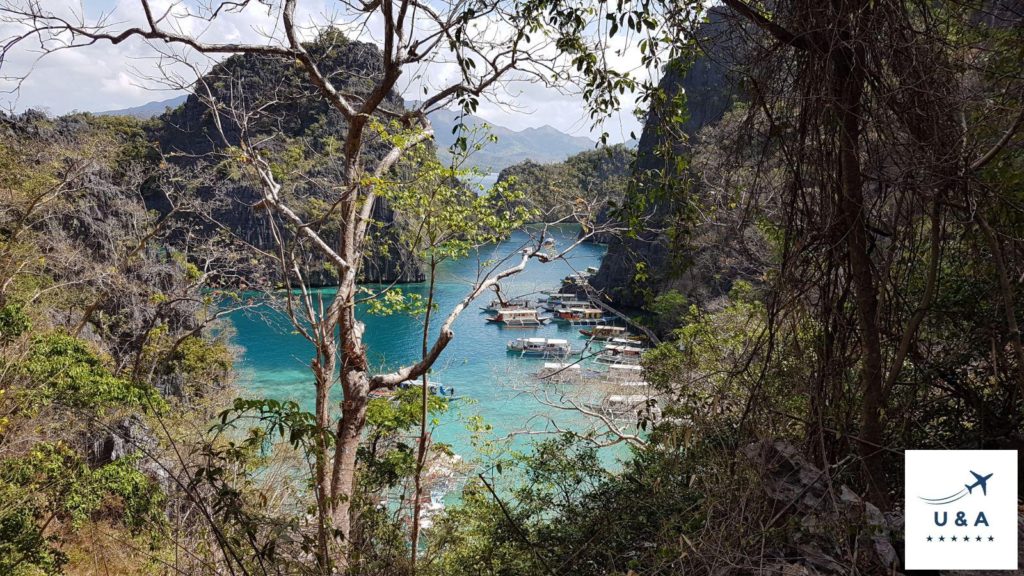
(494, 385)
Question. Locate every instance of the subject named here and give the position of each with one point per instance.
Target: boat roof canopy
(620, 348)
(627, 398)
(627, 367)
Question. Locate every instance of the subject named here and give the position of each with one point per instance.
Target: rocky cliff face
(658, 260)
(271, 101)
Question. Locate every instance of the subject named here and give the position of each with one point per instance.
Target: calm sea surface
(494, 385)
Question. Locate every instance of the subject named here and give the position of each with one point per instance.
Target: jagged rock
(709, 91)
(822, 512)
(124, 438)
(291, 114)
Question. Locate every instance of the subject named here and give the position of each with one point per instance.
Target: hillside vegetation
(587, 183)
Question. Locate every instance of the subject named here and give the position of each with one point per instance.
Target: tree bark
(848, 87)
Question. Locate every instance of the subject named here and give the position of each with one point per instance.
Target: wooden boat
(518, 317)
(619, 354)
(631, 406)
(497, 304)
(583, 315)
(560, 371)
(546, 347)
(563, 300)
(604, 332)
(624, 372)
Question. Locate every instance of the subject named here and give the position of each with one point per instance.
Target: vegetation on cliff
(590, 182)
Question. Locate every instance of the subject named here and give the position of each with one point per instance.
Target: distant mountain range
(544, 145)
(149, 109)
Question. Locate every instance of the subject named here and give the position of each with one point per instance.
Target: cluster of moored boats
(555, 307)
(605, 343)
(609, 357)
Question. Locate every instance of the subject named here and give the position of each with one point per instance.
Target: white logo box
(961, 510)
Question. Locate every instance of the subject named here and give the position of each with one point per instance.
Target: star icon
(942, 538)
(991, 538)
(978, 539)
(953, 538)
(967, 538)
(929, 538)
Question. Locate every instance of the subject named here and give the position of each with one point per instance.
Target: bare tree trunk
(323, 367)
(848, 87)
(350, 428)
(1006, 289)
(421, 456)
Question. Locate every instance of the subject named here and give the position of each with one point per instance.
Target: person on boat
(442, 389)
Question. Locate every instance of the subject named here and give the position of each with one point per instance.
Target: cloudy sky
(107, 77)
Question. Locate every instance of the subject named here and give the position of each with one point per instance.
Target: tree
(878, 115)
(490, 44)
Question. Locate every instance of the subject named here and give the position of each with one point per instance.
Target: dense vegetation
(829, 244)
(589, 182)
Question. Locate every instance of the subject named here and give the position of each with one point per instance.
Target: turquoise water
(494, 384)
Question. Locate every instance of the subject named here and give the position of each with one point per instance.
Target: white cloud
(105, 76)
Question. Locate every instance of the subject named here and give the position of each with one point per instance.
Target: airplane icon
(981, 481)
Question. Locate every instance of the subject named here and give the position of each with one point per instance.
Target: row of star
(965, 539)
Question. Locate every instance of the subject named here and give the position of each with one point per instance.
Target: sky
(109, 77)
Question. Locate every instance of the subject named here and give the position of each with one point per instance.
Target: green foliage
(202, 359)
(64, 370)
(283, 418)
(387, 456)
(13, 323)
(583, 185)
(52, 484)
(393, 301)
(444, 218)
(569, 512)
(669, 309)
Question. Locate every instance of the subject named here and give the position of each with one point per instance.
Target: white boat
(560, 300)
(498, 304)
(629, 406)
(627, 341)
(624, 372)
(546, 347)
(434, 388)
(518, 317)
(619, 354)
(580, 315)
(604, 332)
(560, 371)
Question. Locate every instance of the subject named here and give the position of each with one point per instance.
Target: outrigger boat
(619, 354)
(623, 372)
(580, 316)
(546, 347)
(604, 332)
(497, 305)
(622, 405)
(560, 371)
(613, 334)
(560, 300)
(518, 317)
